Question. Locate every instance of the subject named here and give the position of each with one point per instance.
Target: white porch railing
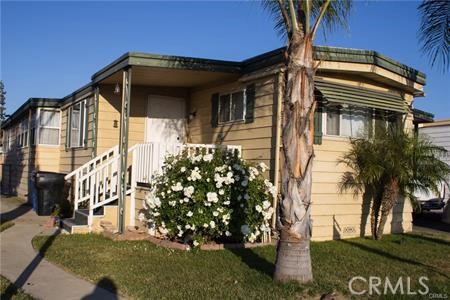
(148, 158)
(96, 182)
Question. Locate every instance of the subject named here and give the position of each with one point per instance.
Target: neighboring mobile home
(438, 132)
(162, 101)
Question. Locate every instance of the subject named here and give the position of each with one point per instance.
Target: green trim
(368, 57)
(168, 62)
(318, 126)
(31, 103)
(421, 116)
(267, 59)
(340, 93)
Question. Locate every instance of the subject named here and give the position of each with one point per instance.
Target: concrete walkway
(27, 269)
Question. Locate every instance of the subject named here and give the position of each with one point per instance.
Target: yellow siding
(72, 158)
(344, 215)
(256, 138)
(20, 163)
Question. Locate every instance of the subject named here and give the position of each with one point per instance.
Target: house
(115, 131)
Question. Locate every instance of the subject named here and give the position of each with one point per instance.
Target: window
(232, 107)
(77, 124)
(348, 121)
(49, 127)
(22, 133)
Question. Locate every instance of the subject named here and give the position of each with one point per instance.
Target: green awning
(340, 93)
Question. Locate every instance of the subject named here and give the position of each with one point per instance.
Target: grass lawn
(13, 293)
(140, 270)
(6, 225)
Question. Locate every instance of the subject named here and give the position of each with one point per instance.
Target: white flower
(258, 208)
(226, 202)
(183, 169)
(212, 197)
(156, 214)
(195, 174)
(245, 229)
(244, 182)
(187, 226)
(205, 225)
(169, 192)
(237, 178)
(188, 191)
(180, 233)
(246, 197)
(227, 233)
(195, 243)
(141, 217)
(236, 167)
(215, 213)
(172, 203)
(189, 214)
(186, 199)
(263, 166)
(266, 204)
(221, 192)
(212, 224)
(208, 157)
(181, 200)
(268, 214)
(208, 179)
(178, 187)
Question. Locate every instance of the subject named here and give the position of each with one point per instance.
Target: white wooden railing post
(77, 190)
(91, 199)
(134, 168)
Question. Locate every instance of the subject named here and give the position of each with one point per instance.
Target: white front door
(166, 120)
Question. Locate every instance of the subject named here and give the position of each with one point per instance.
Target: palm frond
(434, 31)
(336, 15)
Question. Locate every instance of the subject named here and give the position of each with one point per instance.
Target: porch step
(81, 215)
(71, 226)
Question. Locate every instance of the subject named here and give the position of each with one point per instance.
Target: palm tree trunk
(374, 213)
(390, 196)
(293, 256)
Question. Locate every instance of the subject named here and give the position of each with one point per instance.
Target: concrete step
(72, 226)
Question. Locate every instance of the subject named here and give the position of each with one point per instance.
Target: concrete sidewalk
(28, 270)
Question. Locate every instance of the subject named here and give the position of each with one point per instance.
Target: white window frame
(38, 127)
(82, 119)
(23, 135)
(244, 113)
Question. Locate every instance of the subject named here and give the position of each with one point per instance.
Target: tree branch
(293, 16)
(285, 16)
(323, 9)
(307, 16)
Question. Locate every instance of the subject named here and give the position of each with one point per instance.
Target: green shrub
(210, 197)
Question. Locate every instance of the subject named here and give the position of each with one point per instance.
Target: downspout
(278, 143)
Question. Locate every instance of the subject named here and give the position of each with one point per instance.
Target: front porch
(142, 116)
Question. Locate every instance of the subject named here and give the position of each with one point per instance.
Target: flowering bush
(206, 197)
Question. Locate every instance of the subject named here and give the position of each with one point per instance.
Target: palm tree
(392, 164)
(434, 31)
(299, 21)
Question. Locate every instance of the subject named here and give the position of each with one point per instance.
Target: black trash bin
(50, 190)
